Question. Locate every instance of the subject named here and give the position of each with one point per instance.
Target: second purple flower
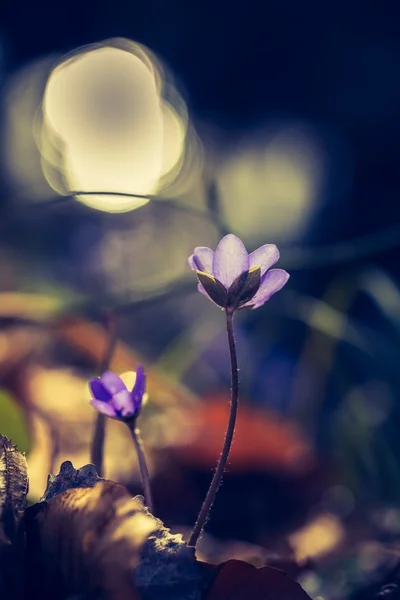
(112, 398)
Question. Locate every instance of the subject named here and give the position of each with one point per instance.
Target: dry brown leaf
(86, 541)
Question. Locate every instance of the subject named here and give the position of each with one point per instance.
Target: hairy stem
(144, 472)
(97, 448)
(216, 480)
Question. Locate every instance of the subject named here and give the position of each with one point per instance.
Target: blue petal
(123, 404)
(112, 382)
(104, 407)
(202, 259)
(98, 390)
(139, 388)
(264, 257)
(271, 282)
(230, 260)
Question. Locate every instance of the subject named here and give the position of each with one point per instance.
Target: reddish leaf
(262, 441)
(238, 580)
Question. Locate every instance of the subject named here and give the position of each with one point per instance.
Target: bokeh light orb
(108, 127)
(271, 183)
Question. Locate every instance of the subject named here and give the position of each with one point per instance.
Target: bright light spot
(270, 188)
(107, 127)
(110, 119)
(129, 378)
(317, 538)
(104, 107)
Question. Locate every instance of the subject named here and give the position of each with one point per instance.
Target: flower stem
(216, 480)
(137, 440)
(97, 448)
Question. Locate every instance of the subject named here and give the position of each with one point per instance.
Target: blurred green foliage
(13, 424)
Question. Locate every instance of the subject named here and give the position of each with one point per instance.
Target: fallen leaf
(86, 541)
(98, 542)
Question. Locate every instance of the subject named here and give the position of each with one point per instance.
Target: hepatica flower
(234, 279)
(112, 397)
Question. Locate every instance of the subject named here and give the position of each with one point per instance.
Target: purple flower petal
(191, 262)
(264, 257)
(98, 390)
(104, 407)
(271, 282)
(230, 260)
(122, 403)
(202, 259)
(112, 382)
(139, 388)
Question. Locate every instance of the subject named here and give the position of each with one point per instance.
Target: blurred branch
(214, 208)
(14, 213)
(361, 247)
(294, 257)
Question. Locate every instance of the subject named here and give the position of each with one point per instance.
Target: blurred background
(279, 122)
